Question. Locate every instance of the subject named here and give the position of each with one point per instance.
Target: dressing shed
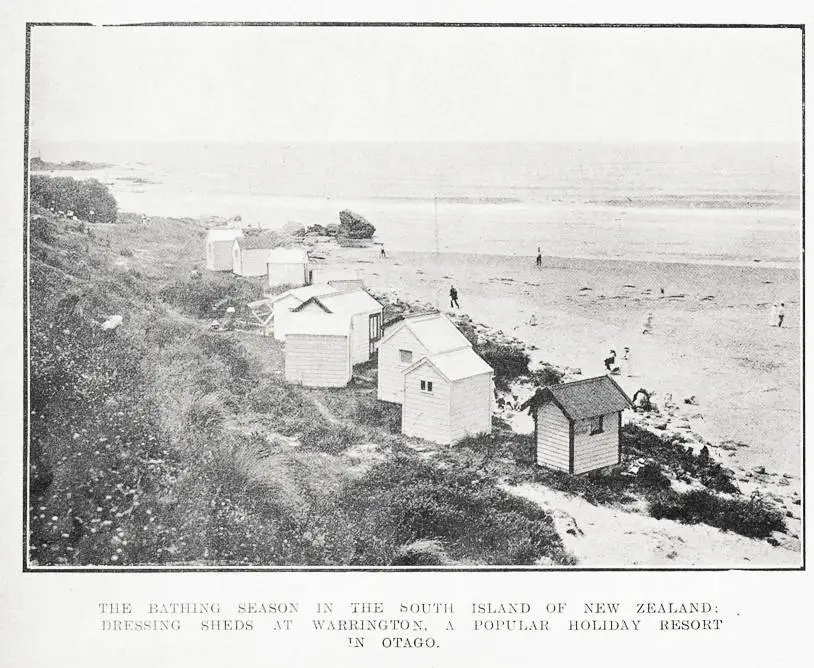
(578, 425)
(282, 304)
(363, 310)
(447, 396)
(219, 244)
(408, 340)
(317, 351)
(288, 266)
(250, 256)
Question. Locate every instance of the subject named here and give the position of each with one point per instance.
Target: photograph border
(28, 568)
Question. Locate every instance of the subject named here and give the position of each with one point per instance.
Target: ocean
(697, 203)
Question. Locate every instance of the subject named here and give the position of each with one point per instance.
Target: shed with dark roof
(578, 425)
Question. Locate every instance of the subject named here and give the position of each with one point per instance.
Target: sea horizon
(709, 202)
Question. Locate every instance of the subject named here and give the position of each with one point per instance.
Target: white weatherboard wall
(553, 436)
(598, 450)
(471, 406)
(286, 273)
(426, 414)
(316, 360)
(250, 261)
(391, 377)
(219, 255)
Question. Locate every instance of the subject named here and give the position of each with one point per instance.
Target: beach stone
(759, 469)
(783, 482)
(773, 541)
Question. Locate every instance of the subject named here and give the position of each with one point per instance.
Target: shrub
(126, 252)
(89, 200)
(509, 361)
(752, 518)
(651, 477)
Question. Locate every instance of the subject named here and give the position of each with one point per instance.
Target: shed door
(374, 330)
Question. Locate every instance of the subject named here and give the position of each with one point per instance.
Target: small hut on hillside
(218, 245)
(365, 314)
(407, 341)
(283, 303)
(250, 254)
(317, 351)
(578, 425)
(288, 266)
(447, 397)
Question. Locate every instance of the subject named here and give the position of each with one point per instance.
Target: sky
(414, 84)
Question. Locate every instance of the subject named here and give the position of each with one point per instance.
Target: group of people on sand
(623, 365)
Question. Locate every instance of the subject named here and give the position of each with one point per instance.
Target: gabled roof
(304, 293)
(583, 399)
(434, 330)
(348, 303)
(454, 365)
(319, 324)
(288, 256)
(224, 234)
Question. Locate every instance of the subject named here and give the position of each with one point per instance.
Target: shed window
(406, 356)
(426, 385)
(596, 426)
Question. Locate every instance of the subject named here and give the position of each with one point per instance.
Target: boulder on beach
(354, 226)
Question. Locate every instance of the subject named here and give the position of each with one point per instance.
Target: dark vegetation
(210, 295)
(354, 226)
(88, 200)
(38, 164)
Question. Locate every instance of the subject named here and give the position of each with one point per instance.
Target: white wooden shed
(447, 397)
(218, 245)
(317, 351)
(578, 425)
(363, 310)
(283, 303)
(250, 256)
(288, 266)
(342, 279)
(408, 340)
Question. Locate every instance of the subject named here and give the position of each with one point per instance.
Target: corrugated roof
(456, 364)
(318, 324)
(586, 398)
(288, 256)
(350, 303)
(437, 333)
(224, 234)
(305, 293)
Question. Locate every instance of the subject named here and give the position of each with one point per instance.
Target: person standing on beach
(781, 314)
(626, 359)
(383, 254)
(453, 297)
(539, 258)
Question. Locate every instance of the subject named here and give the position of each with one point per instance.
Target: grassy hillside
(161, 441)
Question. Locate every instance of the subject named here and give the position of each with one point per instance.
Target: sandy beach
(711, 334)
